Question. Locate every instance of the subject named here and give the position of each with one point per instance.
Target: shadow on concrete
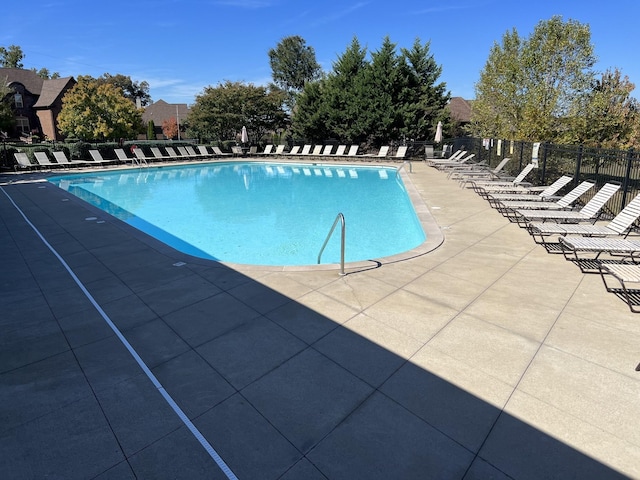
(279, 390)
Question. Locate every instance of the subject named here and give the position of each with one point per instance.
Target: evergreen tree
(422, 100)
(344, 94)
(379, 114)
(151, 130)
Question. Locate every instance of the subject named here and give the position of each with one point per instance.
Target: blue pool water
(260, 213)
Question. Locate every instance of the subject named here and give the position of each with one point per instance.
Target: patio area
(484, 358)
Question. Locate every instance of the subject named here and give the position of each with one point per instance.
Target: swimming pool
(260, 213)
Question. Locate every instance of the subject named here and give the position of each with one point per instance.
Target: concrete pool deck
(485, 358)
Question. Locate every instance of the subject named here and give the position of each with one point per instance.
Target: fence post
(576, 178)
(545, 146)
(521, 155)
(627, 177)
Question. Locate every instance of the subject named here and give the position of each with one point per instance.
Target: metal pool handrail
(403, 164)
(340, 218)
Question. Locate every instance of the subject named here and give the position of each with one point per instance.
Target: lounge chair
(628, 277)
(353, 151)
(535, 194)
(62, 159)
(268, 149)
(382, 153)
(157, 155)
(23, 161)
(484, 188)
(279, 149)
(401, 152)
(317, 150)
(236, 151)
(589, 213)
(586, 252)
(340, 151)
(185, 153)
(172, 153)
(453, 159)
(509, 208)
(306, 150)
(620, 226)
(327, 150)
(43, 160)
(191, 151)
(446, 166)
(96, 158)
(463, 175)
(253, 150)
(204, 153)
(122, 156)
(141, 158)
(220, 153)
(295, 150)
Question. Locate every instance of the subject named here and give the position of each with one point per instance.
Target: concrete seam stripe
(174, 406)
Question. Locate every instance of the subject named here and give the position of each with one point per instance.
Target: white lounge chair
(62, 159)
(628, 277)
(43, 160)
(620, 226)
(590, 253)
(122, 156)
(589, 213)
(484, 188)
(534, 194)
(96, 158)
(509, 208)
(268, 149)
(23, 161)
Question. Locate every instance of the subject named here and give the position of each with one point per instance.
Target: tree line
(537, 88)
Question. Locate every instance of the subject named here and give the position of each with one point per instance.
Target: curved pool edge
(435, 238)
(434, 235)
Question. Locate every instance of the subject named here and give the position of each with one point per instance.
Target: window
(22, 123)
(18, 100)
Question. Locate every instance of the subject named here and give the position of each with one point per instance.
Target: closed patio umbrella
(244, 138)
(438, 137)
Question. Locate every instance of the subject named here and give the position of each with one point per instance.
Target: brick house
(161, 111)
(36, 102)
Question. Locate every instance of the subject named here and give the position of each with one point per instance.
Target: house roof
(47, 90)
(460, 109)
(30, 79)
(51, 91)
(161, 111)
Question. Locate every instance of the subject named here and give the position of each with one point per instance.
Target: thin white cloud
(340, 14)
(248, 4)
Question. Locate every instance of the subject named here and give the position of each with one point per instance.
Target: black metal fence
(582, 163)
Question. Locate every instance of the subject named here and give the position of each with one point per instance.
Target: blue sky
(181, 46)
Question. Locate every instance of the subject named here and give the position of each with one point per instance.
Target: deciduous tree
(170, 128)
(220, 112)
(134, 91)
(528, 85)
(605, 116)
(95, 111)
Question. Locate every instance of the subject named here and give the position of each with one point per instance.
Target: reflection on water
(260, 213)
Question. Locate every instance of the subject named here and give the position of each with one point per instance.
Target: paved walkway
(485, 358)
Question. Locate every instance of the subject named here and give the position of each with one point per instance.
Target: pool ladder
(339, 218)
(404, 164)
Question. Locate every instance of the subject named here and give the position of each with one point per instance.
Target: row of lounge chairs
(60, 160)
(326, 151)
(188, 153)
(565, 225)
